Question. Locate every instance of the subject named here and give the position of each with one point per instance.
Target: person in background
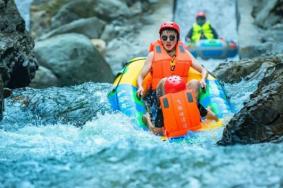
(201, 29)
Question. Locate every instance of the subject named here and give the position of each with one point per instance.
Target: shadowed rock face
(17, 61)
(261, 118)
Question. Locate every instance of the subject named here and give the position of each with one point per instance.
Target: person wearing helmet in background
(201, 29)
(167, 56)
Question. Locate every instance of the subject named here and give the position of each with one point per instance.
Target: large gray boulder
(44, 78)
(111, 9)
(90, 27)
(234, 72)
(73, 59)
(261, 118)
(73, 10)
(17, 62)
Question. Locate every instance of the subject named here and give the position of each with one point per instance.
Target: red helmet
(170, 25)
(201, 14)
(174, 84)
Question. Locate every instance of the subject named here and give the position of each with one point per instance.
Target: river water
(24, 9)
(69, 137)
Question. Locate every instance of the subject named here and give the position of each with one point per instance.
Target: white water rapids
(38, 149)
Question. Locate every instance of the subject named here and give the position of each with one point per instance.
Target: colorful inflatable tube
(123, 96)
(213, 48)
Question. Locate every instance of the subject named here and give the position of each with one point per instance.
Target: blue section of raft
(214, 48)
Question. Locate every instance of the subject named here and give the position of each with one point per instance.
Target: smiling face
(168, 39)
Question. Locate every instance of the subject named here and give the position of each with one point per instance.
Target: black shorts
(202, 110)
(153, 107)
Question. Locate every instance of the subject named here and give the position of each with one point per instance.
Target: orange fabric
(180, 113)
(146, 84)
(151, 47)
(161, 66)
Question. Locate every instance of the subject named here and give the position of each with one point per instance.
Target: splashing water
(24, 9)
(114, 154)
(69, 137)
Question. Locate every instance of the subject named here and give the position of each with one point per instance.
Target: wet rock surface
(90, 27)
(44, 78)
(17, 62)
(67, 105)
(260, 27)
(123, 25)
(73, 59)
(261, 118)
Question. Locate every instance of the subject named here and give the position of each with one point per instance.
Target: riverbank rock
(90, 27)
(234, 72)
(260, 27)
(44, 78)
(126, 26)
(261, 118)
(73, 59)
(17, 62)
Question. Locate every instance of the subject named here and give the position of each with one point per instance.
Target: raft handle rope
(123, 71)
(121, 75)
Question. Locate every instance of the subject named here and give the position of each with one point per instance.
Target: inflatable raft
(213, 48)
(123, 97)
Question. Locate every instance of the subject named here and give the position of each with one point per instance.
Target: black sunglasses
(171, 37)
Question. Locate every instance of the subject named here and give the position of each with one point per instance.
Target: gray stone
(109, 33)
(73, 59)
(90, 27)
(44, 78)
(17, 63)
(39, 2)
(73, 10)
(111, 9)
(251, 51)
(260, 120)
(136, 8)
(234, 72)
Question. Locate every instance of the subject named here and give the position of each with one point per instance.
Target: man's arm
(145, 70)
(198, 67)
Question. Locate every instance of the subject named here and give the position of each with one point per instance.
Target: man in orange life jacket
(167, 57)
